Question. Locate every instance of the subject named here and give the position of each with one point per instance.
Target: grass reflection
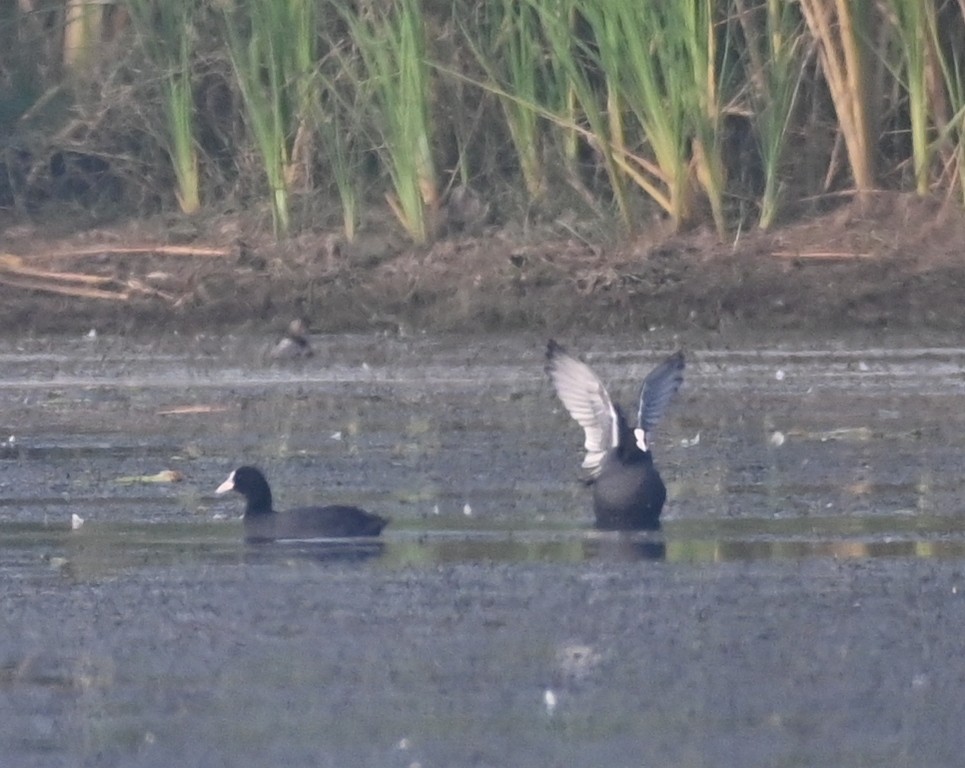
(102, 550)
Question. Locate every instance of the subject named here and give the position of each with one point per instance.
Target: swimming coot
(294, 343)
(628, 493)
(262, 522)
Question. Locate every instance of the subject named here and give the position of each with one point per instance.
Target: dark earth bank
(893, 262)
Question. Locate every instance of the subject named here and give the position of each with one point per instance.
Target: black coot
(262, 522)
(628, 493)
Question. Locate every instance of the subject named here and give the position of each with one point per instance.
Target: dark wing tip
(670, 369)
(553, 352)
(677, 360)
(658, 389)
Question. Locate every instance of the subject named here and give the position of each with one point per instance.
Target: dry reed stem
(15, 274)
(65, 290)
(161, 250)
(844, 69)
(822, 255)
(14, 265)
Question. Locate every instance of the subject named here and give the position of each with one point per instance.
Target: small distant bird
(294, 343)
(628, 493)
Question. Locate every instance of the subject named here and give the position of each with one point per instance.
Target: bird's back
(628, 494)
(336, 521)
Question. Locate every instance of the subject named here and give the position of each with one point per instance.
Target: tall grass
(511, 51)
(82, 23)
(630, 95)
(395, 81)
(914, 22)
(583, 115)
(949, 116)
(775, 53)
(272, 49)
(843, 30)
(165, 32)
(336, 116)
(658, 62)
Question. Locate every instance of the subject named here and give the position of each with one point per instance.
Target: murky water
(802, 605)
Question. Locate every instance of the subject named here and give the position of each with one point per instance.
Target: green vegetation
(775, 55)
(166, 36)
(505, 38)
(394, 76)
(705, 111)
(272, 49)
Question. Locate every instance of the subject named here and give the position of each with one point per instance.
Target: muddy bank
(892, 264)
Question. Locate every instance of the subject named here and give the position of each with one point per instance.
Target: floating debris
(181, 410)
(164, 476)
(690, 442)
(76, 521)
(856, 434)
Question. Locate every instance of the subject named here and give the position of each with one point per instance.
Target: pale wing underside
(587, 401)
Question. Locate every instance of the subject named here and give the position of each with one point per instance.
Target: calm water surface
(801, 606)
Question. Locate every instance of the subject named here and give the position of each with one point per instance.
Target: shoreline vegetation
(733, 114)
(573, 139)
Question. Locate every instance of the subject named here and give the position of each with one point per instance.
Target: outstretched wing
(656, 393)
(587, 401)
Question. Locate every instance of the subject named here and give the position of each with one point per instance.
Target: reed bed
(703, 111)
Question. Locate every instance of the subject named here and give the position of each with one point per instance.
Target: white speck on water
(11, 440)
(467, 510)
(336, 435)
(435, 509)
(863, 366)
(76, 521)
(777, 438)
(691, 441)
(92, 333)
(403, 744)
(549, 700)
(779, 374)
